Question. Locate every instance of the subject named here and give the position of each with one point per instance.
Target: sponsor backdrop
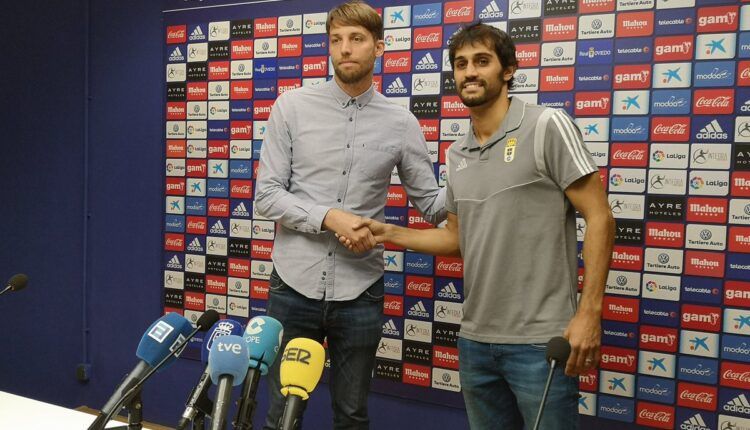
(661, 92)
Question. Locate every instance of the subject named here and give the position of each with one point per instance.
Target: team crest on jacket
(510, 149)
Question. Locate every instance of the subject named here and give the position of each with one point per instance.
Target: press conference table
(21, 413)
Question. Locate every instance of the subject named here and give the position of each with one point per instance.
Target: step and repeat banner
(661, 92)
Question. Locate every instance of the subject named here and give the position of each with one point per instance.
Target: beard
(491, 91)
(490, 94)
(353, 76)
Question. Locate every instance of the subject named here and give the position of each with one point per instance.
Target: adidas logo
(449, 292)
(426, 63)
(739, 404)
(462, 165)
(240, 210)
(396, 87)
(390, 328)
(491, 11)
(418, 310)
(174, 263)
(197, 34)
(176, 55)
(694, 423)
(712, 130)
(195, 245)
(218, 228)
(745, 107)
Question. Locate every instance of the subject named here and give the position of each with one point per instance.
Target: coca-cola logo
(713, 102)
(428, 38)
(701, 397)
(660, 416)
(737, 376)
(632, 155)
(458, 12)
(672, 130)
(451, 267)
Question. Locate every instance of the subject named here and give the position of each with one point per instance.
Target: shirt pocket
(375, 162)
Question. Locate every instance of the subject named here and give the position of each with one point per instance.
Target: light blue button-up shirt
(324, 149)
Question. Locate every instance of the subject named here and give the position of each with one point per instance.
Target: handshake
(357, 233)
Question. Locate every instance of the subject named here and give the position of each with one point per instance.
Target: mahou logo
(416, 375)
(735, 375)
(430, 129)
(713, 102)
(458, 11)
(697, 396)
(527, 55)
(397, 62)
(704, 209)
(453, 107)
(634, 24)
(557, 29)
(658, 338)
(631, 77)
(557, 78)
(701, 263)
(629, 155)
(670, 129)
(627, 258)
(653, 415)
(396, 196)
(620, 309)
(739, 239)
(663, 234)
(449, 266)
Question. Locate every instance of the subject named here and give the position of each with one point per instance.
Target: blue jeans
(353, 330)
(503, 385)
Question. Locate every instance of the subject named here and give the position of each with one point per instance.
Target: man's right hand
(349, 226)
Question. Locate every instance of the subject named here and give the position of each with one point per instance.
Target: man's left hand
(584, 334)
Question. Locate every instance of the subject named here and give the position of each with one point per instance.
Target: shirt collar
(511, 122)
(344, 99)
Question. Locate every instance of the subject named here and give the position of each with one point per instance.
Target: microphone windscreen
(161, 338)
(219, 329)
(263, 337)
(301, 366)
(207, 320)
(228, 356)
(18, 281)
(558, 349)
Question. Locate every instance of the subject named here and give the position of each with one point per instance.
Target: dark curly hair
(489, 36)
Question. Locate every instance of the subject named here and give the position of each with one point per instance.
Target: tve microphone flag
(301, 369)
(227, 365)
(198, 400)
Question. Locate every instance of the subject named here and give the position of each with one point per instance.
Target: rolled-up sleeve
(417, 174)
(272, 197)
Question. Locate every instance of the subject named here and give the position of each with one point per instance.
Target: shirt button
(330, 254)
(344, 172)
(338, 200)
(347, 145)
(351, 119)
(324, 273)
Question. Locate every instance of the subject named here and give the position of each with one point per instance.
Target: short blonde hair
(356, 12)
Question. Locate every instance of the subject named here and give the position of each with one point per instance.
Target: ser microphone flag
(301, 369)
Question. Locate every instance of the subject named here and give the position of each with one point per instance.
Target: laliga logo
(389, 40)
(616, 180)
(696, 183)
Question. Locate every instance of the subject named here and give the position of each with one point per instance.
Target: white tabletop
(21, 413)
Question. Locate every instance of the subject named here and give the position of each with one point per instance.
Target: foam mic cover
(207, 319)
(162, 337)
(18, 282)
(558, 349)
(228, 357)
(301, 367)
(263, 337)
(220, 328)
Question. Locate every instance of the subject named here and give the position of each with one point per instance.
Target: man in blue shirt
(326, 162)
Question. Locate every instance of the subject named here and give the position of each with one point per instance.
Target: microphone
(558, 350)
(159, 346)
(227, 365)
(301, 369)
(263, 338)
(198, 400)
(17, 282)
